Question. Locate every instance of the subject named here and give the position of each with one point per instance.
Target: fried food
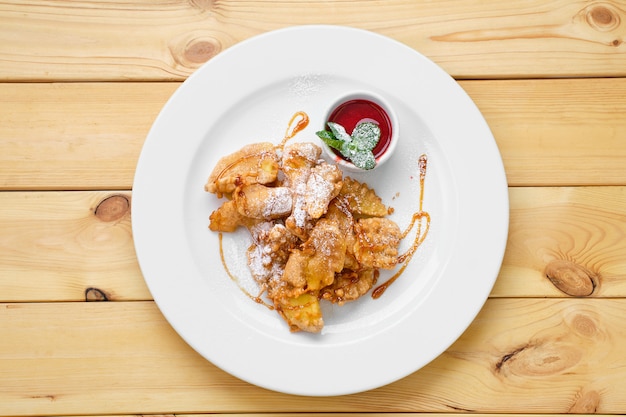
(323, 184)
(271, 247)
(314, 265)
(362, 200)
(349, 285)
(261, 202)
(297, 161)
(302, 313)
(256, 163)
(316, 235)
(227, 218)
(377, 242)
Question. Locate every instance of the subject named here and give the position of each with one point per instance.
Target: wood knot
(112, 208)
(571, 278)
(584, 326)
(200, 51)
(542, 359)
(95, 294)
(585, 403)
(191, 50)
(602, 17)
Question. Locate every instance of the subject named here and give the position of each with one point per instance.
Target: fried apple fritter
(362, 200)
(257, 163)
(349, 285)
(271, 247)
(314, 265)
(302, 313)
(297, 161)
(377, 242)
(323, 184)
(315, 234)
(227, 218)
(261, 202)
(339, 213)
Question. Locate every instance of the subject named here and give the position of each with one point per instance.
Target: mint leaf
(330, 139)
(339, 132)
(366, 135)
(356, 148)
(364, 160)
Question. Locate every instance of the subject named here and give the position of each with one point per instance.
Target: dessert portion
(315, 234)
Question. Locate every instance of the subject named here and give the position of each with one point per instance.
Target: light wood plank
(56, 246)
(68, 246)
(557, 132)
(519, 355)
(73, 136)
(357, 414)
(165, 40)
(384, 415)
(550, 132)
(565, 241)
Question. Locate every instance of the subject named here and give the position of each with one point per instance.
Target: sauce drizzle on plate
(299, 122)
(420, 236)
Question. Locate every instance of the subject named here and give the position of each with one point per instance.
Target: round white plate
(248, 93)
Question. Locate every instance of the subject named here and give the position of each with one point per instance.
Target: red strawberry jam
(352, 112)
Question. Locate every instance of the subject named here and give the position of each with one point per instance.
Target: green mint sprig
(356, 148)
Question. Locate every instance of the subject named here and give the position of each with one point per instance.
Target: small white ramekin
(382, 102)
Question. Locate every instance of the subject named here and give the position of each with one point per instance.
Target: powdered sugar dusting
(299, 213)
(321, 188)
(278, 204)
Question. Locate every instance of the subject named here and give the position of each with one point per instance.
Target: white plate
(247, 94)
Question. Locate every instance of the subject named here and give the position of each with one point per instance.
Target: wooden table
(82, 82)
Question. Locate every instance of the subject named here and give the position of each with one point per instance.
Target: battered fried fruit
(256, 163)
(323, 184)
(377, 241)
(227, 218)
(362, 200)
(349, 285)
(315, 234)
(314, 265)
(297, 162)
(271, 247)
(302, 313)
(339, 213)
(261, 202)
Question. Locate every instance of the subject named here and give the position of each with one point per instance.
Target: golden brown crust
(261, 202)
(349, 285)
(254, 163)
(377, 242)
(362, 200)
(315, 234)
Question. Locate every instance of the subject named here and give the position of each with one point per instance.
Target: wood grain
(168, 40)
(75, 136)
(565, 241)
(557, 132)
(542, 127)
(99, 358)
(69, 246)
(81, 83)
(349, 415)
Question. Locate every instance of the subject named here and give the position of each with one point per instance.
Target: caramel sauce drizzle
(418, 218)
(235, 279)
(299, 121)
